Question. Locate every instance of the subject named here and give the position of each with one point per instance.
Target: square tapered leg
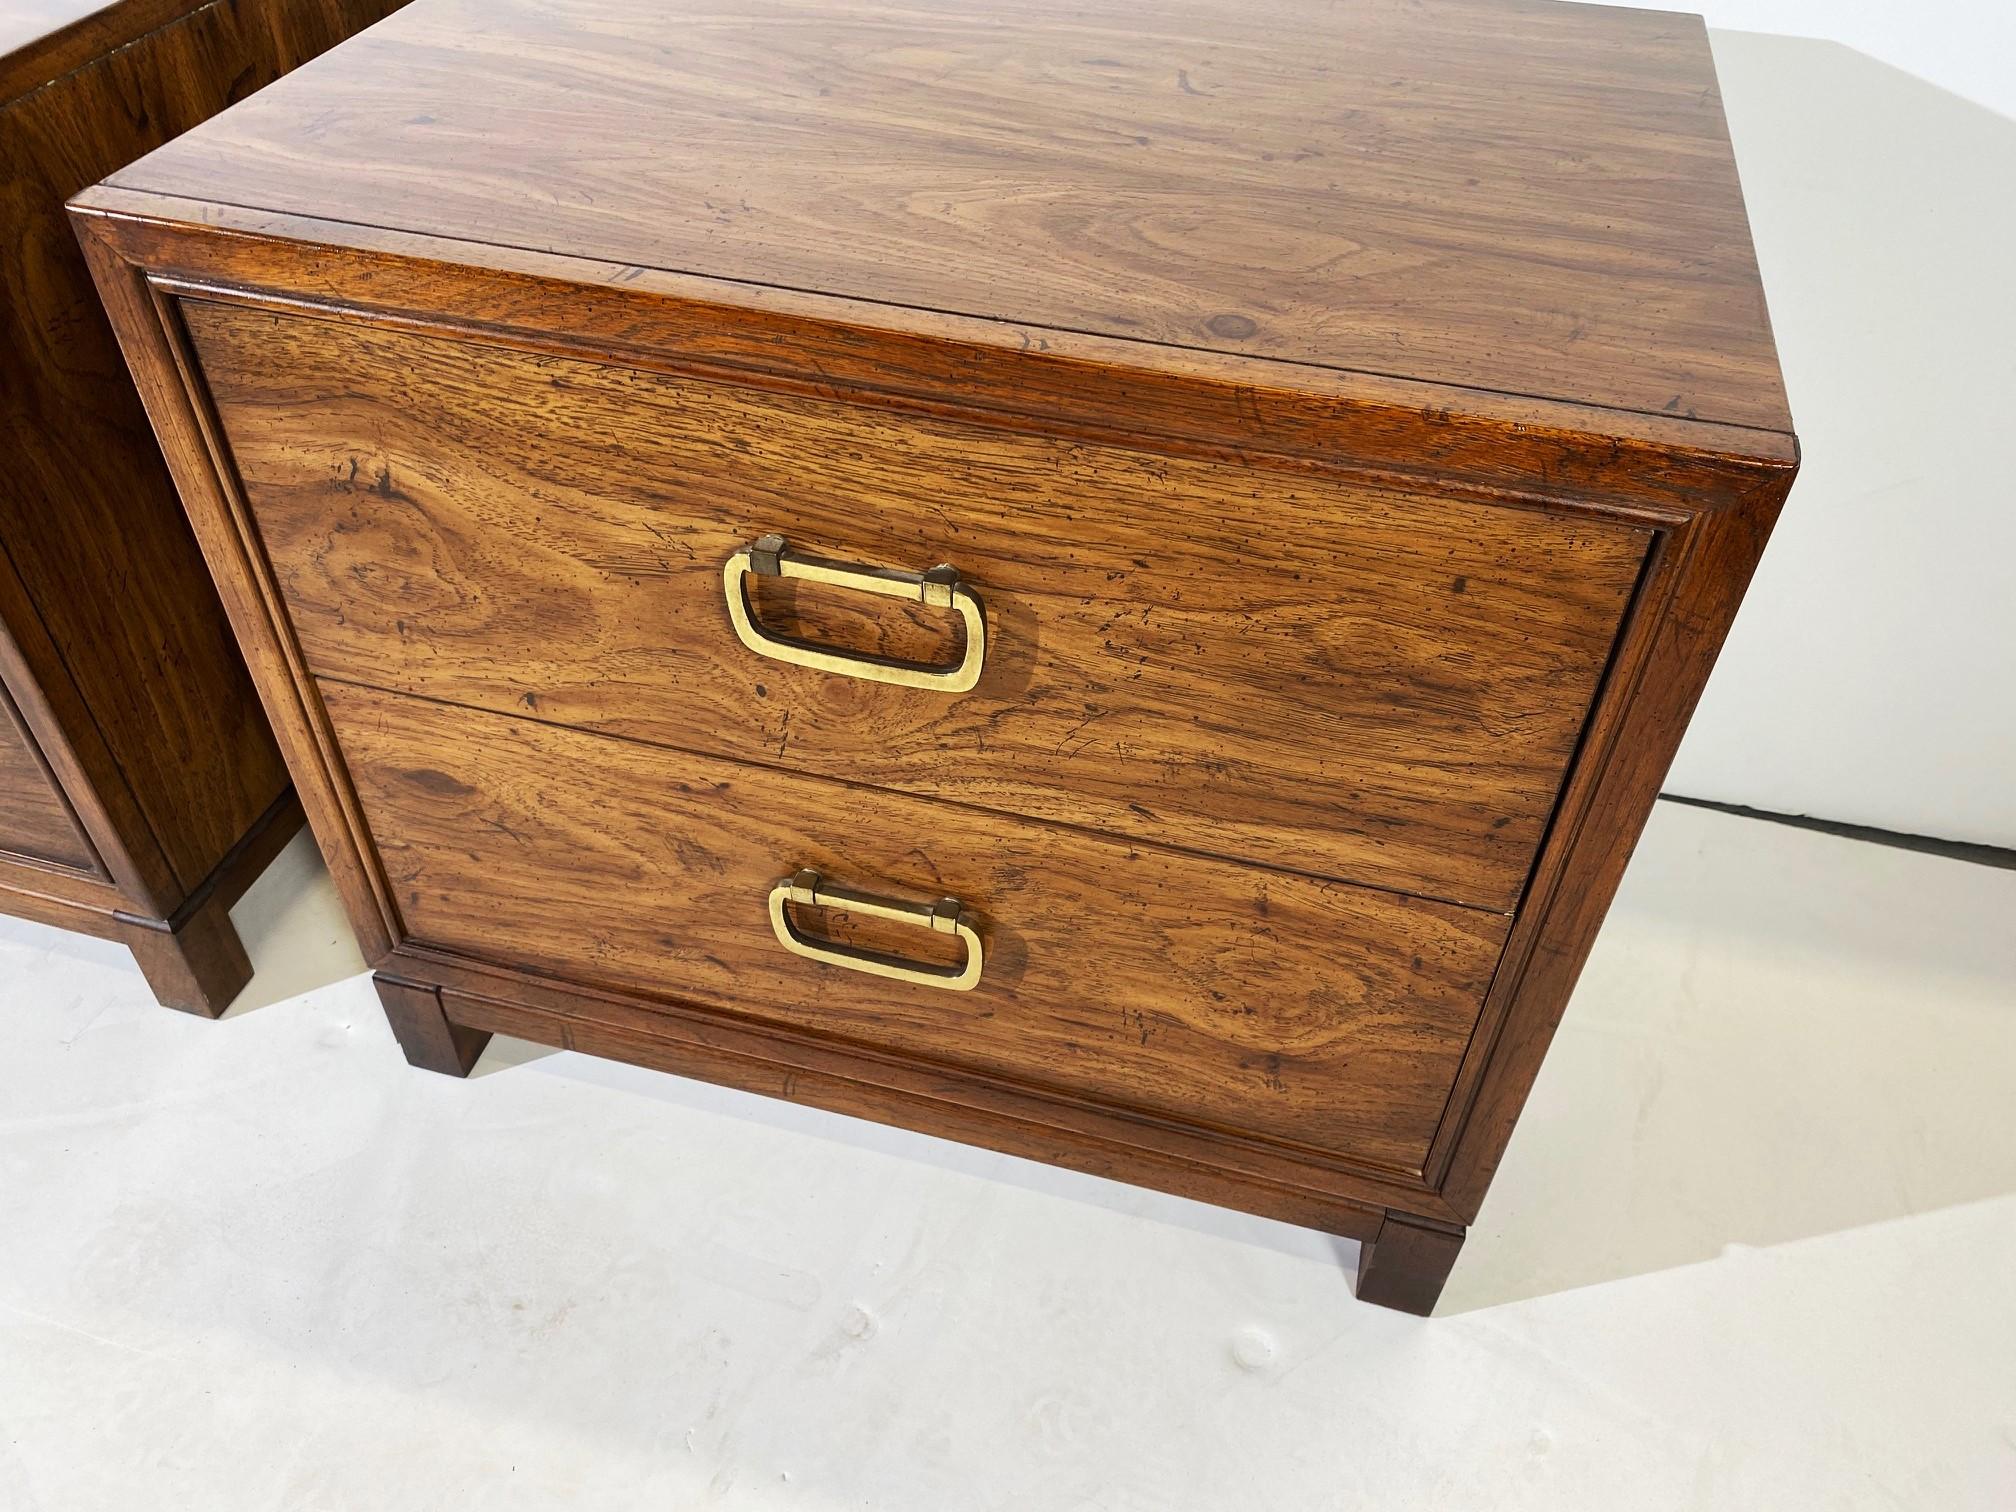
(423, 1030)
(1406, 1264)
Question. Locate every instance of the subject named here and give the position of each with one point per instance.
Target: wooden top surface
(1511, 195)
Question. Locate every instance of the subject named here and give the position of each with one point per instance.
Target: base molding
(443, 1026)
(193, 960)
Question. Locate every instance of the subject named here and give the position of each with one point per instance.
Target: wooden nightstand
(140, 789)
(1114, 583)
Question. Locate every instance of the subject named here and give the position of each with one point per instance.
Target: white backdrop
(1965, 46)
(1871, 676)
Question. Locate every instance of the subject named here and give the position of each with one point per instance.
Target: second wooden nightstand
(140, 789)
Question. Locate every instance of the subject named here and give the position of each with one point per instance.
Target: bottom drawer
(1226, 996)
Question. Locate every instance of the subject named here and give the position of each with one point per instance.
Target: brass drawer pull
(770, 556)
(946, 916)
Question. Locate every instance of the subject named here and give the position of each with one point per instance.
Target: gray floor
(1752, 1248)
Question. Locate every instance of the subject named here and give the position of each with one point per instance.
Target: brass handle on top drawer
(809, 890)
(771, 556)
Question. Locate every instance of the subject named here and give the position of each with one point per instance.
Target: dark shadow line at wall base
(1931, 845)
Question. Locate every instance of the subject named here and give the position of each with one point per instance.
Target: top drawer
(1262, 665)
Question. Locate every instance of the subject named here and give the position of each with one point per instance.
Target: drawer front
(1261, 665)
(35, 821)
(1221, 995)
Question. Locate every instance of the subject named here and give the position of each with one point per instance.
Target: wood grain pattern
(35, 822)
(1247, 409)
(1320, 1015)
(1216, 406)
(40, 40)
(126, 671)
(1690, 601)
(1357, 684)
(1501, 194)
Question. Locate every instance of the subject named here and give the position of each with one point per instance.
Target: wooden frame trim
(237, 869)
(177, 406)
(1649, 602)
(1634, 736)
(129, 861)
(1257, 412)
(104, 917)
(95, 872)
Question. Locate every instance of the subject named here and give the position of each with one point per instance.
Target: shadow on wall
(1856, 684)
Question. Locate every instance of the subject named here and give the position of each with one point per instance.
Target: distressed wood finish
(1301, 1011)
(1504, 194)
(458, 349)
(1355, 684)
(142, 734)
(41, 40)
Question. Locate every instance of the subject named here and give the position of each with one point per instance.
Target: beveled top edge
(1517, 196)
(1656, 469)
(1712, 442)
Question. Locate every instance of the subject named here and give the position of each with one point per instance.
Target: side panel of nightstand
(149, 789)
(104, 882)
(123, 609)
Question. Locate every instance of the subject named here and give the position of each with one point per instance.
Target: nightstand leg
(424, 1031)
(1405, 1266)
(198, 968)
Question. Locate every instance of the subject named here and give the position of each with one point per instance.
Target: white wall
(1967, 47)
(1871, 676)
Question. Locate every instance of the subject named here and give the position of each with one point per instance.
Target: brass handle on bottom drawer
(771, 556)
(808, 889)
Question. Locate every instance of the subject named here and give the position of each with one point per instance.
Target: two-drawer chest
(1115, 583)
(140, 789)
